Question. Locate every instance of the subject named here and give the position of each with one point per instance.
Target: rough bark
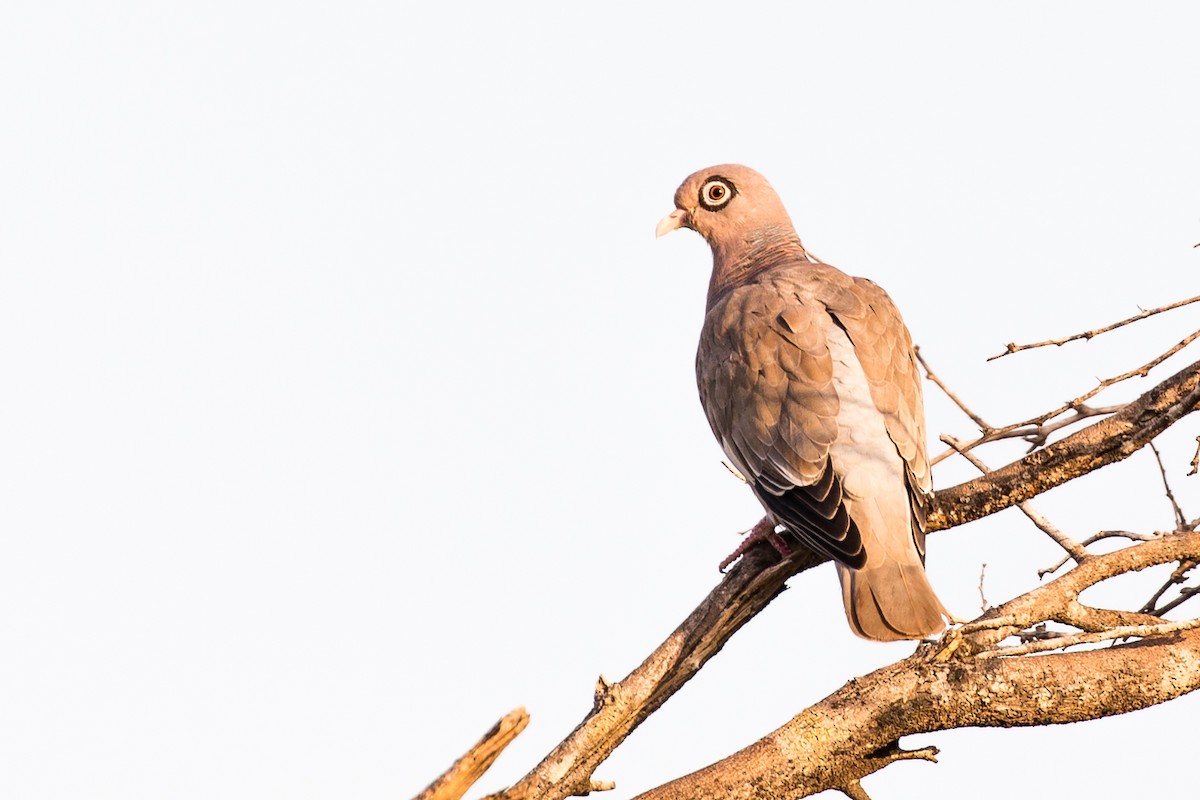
(1112, 439)
(853, 732)
(620, 707)
(463, 773)
(759, 577)
(961, 681)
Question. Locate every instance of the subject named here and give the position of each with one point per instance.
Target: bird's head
(742, 219)
(727, 205)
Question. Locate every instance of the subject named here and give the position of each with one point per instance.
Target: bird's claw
(763, 531)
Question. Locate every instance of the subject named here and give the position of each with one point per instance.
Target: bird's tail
(891, 600)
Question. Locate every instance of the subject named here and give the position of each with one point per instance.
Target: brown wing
(765, 373)
(765, 377)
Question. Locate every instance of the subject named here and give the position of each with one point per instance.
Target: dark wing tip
(816, 515)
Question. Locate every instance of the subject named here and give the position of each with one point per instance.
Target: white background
(348, 400)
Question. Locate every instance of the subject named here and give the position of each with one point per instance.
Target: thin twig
(1196, 458)
(978, 420)
(1139, 372)
(1123, 433)
(1178, 576)
(1011, 348)
(1065, 542)
(1039, 633)
(1053, 569)
(1184, 596)
(1088, 542)
(1132, 536)
(1180, 519)
(983, 603)
(1036, 430)
(1059, 642)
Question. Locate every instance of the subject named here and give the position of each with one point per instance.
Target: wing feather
(765, 375)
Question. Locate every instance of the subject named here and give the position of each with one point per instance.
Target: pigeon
(810, 384)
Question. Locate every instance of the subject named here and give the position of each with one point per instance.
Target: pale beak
(674, 221)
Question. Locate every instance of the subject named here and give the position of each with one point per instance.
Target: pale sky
(349, 399)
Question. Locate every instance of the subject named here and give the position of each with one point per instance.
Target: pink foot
(763, 530)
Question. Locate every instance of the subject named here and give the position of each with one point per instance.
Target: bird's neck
(761, 250)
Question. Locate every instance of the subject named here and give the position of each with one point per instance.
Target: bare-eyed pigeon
(809, 382)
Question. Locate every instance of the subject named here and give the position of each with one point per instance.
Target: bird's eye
(715, 193)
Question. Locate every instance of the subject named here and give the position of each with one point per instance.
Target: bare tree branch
(1184, 596)
(1069, 640)
(967, 677)
(1074, 549)
(755, 580)
(819, 749)
(747, 588)
(946, 390)
(464, 772)
(943, 686)
(1180, 518)
(1112, 439)
(1036, 431)
(1178, 576)
(1011, 348)
(1130, 535)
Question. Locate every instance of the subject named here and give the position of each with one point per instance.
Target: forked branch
(967, 679)
(1112, 439)
(947, 685)
(754, 581)
(1036, 431)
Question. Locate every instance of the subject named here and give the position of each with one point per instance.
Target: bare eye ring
(715, 193)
